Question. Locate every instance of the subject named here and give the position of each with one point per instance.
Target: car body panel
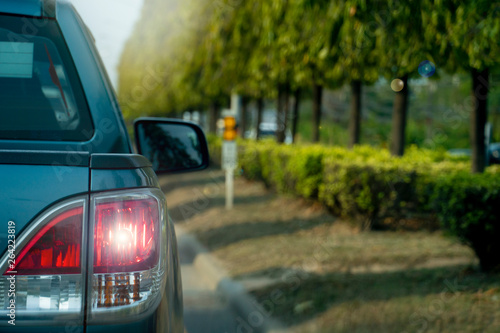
(27, 190)
(119, 171)
(110, 135)
(104, 180)
(100, 94)
(22, 7)
(37, 175)
(146, 325)
(34, 181)
(68, 326)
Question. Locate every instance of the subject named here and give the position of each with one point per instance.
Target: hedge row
(366, 185)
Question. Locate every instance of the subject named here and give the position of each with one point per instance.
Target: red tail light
(126, 236)
(55, 249)
(129, 257)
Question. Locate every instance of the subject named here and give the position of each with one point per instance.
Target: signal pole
(229, 158)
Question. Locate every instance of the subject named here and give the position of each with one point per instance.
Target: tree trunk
(295, 119)
(244, 115)
(213, 116)
(279, 111)
(355, 115)
(399, 119)
(316, 111)
(479, 117)
(283, 108)
(487, 253)
(260, 109)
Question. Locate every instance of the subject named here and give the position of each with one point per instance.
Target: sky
(111, 22)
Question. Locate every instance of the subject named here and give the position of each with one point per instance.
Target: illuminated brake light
(129, 246)
(55, 248)
(126, 236)
(127, 258)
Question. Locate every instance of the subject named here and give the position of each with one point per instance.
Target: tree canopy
(190, 54)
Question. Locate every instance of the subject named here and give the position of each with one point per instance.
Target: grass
(428, 300)
(322, 275)
(338, 248)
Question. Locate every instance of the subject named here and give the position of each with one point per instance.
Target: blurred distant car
(268, 129)
(493, 152)
(459, 152)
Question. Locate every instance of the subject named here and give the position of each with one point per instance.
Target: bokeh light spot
(426, 68)
(397, 85)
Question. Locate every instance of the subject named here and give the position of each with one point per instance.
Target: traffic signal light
(229, 128)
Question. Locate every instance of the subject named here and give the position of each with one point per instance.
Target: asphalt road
(205, 310)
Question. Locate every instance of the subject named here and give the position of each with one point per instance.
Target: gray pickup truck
(86, 244)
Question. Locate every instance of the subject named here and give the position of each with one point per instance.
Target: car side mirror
(171, 145)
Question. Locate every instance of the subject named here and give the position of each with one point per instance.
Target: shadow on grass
(211, 177)
(200, 203)
(300, 296)
(218, 237)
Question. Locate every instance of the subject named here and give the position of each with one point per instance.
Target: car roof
(39, 8)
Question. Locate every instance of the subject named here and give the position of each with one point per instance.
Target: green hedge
(366, 185)
(469, 207)
(214, 149)
(365, 191)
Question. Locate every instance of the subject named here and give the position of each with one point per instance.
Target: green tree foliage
(357, 55)
(193, 54)
(402, 47)
(467, 35)
(154, 78)
(314, 50)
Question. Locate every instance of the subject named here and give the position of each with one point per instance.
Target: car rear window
(41, 97)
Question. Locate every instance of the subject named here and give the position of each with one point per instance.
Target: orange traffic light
(229, 128)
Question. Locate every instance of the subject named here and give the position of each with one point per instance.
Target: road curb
(252, 318)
